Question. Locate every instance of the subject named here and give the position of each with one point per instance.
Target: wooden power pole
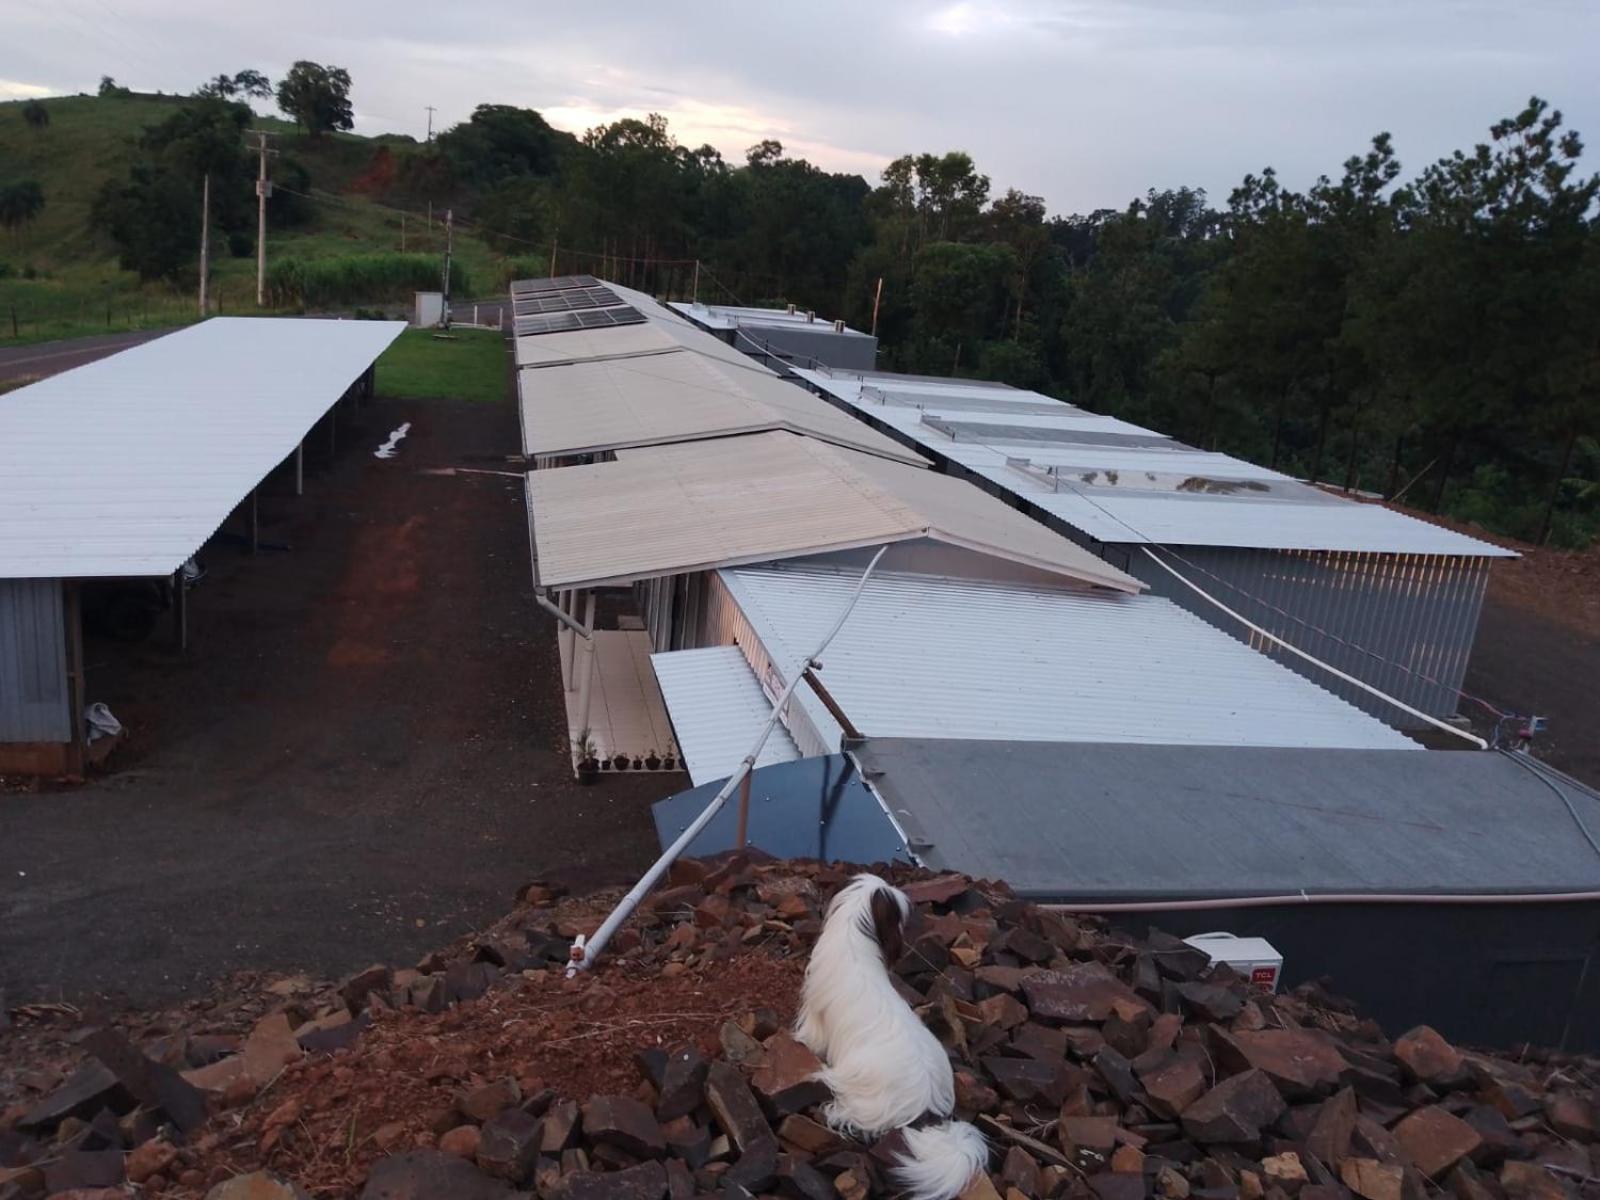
(449, 244)
(263, 191)
(205, 240)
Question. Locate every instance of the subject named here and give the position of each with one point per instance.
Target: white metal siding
(33, 662)
(717, 708)
(924, 657)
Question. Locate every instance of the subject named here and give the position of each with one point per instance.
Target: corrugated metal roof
(1106, 822)
(664, 510)
(928, 657)
(1259, 523)
(718, 708)
(1294, 517)
(126, 466)
(673, 397)
(732, 316)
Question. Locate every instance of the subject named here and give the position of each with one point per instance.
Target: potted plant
(583, 748)
(620, 762)
(670, 762)
(638, 763)
(652, 761)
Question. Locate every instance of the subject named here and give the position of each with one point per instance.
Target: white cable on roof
(1295, 650)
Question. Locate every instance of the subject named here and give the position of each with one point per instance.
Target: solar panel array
(566, 303)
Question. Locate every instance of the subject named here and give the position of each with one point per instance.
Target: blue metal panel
(33, 662)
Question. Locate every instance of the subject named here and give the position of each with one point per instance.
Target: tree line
(1432, 337)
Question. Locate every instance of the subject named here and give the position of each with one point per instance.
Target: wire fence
(29, 314)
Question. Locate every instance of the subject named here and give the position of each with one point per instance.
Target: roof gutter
(1298, 898)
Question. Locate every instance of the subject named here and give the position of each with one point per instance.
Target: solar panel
(601, 318)
(547, 323)
(556, 283)
(565, 301)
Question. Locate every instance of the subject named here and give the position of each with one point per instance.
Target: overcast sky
(1086, 103)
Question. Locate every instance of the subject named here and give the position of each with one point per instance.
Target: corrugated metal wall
(1403, 623)
(723, 623)
(33, 662)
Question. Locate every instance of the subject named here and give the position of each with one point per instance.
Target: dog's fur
(883, 1066)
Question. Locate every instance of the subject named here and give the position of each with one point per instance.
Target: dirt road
(361, 756)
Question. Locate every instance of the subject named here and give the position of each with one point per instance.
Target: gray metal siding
(33, 662)
(1403, 623)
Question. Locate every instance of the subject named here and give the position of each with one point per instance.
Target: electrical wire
(1528, 763)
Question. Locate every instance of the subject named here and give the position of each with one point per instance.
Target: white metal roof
(732, 316)
(677, 396)
(927, 657)
(1287, 515)
(718, 708)
(664, 510)
(125, 467)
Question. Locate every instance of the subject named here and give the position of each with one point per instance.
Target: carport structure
(122, 469)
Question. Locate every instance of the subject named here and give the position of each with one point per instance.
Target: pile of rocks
(1101, 1068)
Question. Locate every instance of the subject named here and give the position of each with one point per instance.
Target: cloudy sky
(1086, 102)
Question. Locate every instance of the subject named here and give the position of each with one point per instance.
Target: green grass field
(469, 364)
(79, 288)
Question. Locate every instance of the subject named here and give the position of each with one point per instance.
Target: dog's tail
(941, 1160)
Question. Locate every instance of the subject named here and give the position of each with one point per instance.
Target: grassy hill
(77, 285)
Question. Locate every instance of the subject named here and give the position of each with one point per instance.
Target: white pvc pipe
(586, 675)
(1332, 670)
(584, 953)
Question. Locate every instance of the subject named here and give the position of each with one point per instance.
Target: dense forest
(1432, 335)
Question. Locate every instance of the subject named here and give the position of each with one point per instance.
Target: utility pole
(555, 244)
(695, 298)
(402, 233)
(205, 240)
(430, 109)
(876, 297)
(263, 191)
(449, 242)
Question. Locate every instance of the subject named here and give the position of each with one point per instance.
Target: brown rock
(939, 890)
(981, 1188)
(482, 1103)
(1428, 1057)
(625, 1123)
(462, 1141)
(808, 1137)
(647, 1181)
(1082, 992)
(1128, 1160)
(1371, 1179)
(354, 990)
(852, 1184)
(1236, 1110)
(1002, 1011)
(786, 1079)
(1435, 1141)
(257, 1185)
(1530, 1181)
(1020, 1171)
(737, 1045)
(1329, 1138)
(560, 1123)
(1571, 1116)
(1302, 1064)
(1285, 1171)
(1171, 1185)
(508, 1145)
(735, 1106)
(683, 1082)
(1174, 1087)
(151, 1158)
(1089, 1133)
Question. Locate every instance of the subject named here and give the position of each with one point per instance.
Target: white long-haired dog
(885, 1069)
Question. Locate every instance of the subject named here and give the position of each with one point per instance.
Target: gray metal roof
(1079, 822)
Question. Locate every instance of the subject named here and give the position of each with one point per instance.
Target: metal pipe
(586, 676)
(543, 601)
(585, 952)
(1292, 898)
(1332, 670)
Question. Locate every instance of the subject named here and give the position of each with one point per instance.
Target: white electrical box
(430, 310)
(1253, 957)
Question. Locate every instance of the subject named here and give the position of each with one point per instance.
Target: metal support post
(180, 611)
(565, 635)
(300, 468)
(586, 674)
(742, 837)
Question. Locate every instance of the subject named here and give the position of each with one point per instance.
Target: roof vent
(791, 310)
(810, 316)
(838, 326)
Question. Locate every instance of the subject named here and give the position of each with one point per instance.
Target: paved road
(49, 358)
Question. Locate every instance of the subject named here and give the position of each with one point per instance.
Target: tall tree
(317, 97)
